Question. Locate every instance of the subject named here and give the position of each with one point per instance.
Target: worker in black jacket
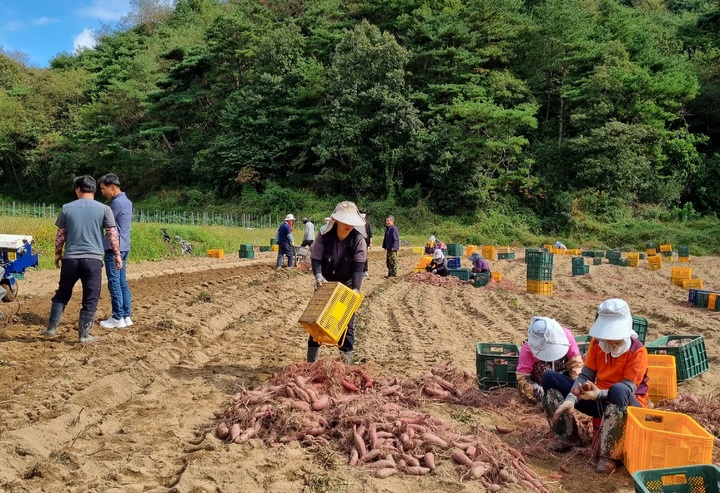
(438, 265)
(339, 255)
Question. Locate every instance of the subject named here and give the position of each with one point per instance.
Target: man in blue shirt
(122, 209)
(285, 242)
(79, 246)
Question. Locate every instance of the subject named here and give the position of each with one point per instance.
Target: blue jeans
(285, 250)
(118, 286)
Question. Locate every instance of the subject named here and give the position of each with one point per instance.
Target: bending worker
(613, 377)
(480, 265)
(338, 255)
(559, 244)
(549, 348)
(430, 245)
(438, 265)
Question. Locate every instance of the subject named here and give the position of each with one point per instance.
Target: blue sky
(43, 28)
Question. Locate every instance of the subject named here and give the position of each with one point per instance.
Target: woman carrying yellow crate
(338, 255)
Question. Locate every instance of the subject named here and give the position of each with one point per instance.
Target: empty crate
(689, 352)
(329, 311)
(662, 377)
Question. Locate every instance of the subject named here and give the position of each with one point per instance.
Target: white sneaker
(113, 323)
(365, 274)
(128, 322)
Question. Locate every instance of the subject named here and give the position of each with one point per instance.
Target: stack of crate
(246, 251)
(654, 262)
(489, 252)
(504, 253)
(679, 274)
(528, 250)
(614, 257)
(666, 250)
(539, 272)
(651, 249)
(683, 253)
(633, 259)
(578, 267)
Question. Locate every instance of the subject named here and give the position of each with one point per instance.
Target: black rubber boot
(312, 354)
(56, 311)
(85, 323)
(347, 357)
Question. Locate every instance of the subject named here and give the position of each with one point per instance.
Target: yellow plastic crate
(419, 268)
(329, 311)
(504, 249)
(633, 256)
(275, 247)
(712, 300)
(549, 246)
(666, 248)
(540, 287)
(662, 377)
(497, 276)
(418, 250)
(634, 262)
(574, 251)
(424, 261)
(683, 259)
(681, 272)
(469, 249)
(489, 252)
(692, 283)
(216, 253)
(660, 439)
(651, 252)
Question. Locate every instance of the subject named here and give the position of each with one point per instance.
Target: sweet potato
(359, 444)
(353, 457)
(477, 472)
(429, 461)
(460, 457)
(222, 431)
(349, 386)
(434, 440)
(300, 405)
(386, 472)
(321, 403)
(370, 456)
(417, 471)
(234, 431)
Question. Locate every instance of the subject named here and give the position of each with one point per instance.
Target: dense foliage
(558, 107)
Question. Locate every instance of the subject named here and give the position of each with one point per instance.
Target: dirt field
(119, 415)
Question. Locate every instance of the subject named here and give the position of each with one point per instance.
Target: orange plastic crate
(666, 248)
(662, 377)
(497, 276)
(712, 300)
(660, 439)
(651, 252)
(424, 261)
(681, 272)
(469, 249)
(216, 253)
(504, 249)
(329, 311)
(692, 283)
(540, 287)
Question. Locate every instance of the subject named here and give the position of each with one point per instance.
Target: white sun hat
(546, 339)
(289, 217)
(438, 254)
(614, 321)
(347, 213)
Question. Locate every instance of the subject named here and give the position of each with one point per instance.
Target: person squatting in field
(438, 265)
(79, 253)
(338, 255)
(479, 264)
(613, 377)
(549, 348)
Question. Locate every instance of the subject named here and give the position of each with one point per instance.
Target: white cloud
(86, 39)
(106, 10)
(13, 26)
(43, 20)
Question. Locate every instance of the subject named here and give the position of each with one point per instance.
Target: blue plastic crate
(453, 262)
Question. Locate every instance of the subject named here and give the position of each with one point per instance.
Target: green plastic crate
(539, 273)
(613, 254)
(597, 261)
(481, 279)
(651, 244)
(273, 241)
(701, 299)
(494, 367)
(246, 247)
(583, 343)
(640, 325)
(690, 358)
(642, 256)
(265, 248)
(250, 254)
(528, 250)
(455, 250)
(506, 256)
(578, 261)
(462, 274)
(686, 479)
(542, 259)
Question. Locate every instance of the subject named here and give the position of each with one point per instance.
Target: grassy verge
(703, 235)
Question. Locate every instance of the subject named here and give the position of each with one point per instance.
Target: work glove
(565, 407)
(319, 280)
(434, 271)
(356, 290)
(538, 392)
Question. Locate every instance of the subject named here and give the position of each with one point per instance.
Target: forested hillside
(555, 106)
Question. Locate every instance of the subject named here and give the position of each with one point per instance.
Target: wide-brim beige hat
(614, 321)
(547, 339)
(289, 217)
(347, 213)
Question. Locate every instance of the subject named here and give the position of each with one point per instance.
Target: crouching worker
(430, 245)
(550, 348)
(338, 255)
(438, 265)
(479, 264)
(613, 377)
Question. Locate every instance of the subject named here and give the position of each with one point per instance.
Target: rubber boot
(56, 311)
(347, 357)
(313, 353)
(612, 437)
(84, 325)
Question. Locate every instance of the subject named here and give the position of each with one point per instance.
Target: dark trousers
(619, 394)
(306, 243)
(89, 272)
(285, 250)
(349, 342)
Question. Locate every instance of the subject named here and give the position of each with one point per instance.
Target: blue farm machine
(16, 255)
